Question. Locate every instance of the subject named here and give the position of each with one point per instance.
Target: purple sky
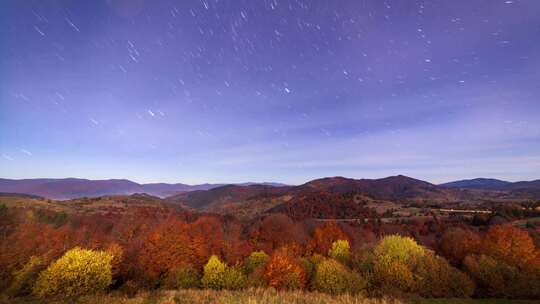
(234, 91)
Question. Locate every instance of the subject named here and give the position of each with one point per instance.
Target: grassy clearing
(207, 296)
(253, 296)
(473, 301)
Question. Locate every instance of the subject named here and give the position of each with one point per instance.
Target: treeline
(48, 254)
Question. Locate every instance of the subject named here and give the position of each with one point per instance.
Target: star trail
(234, 91)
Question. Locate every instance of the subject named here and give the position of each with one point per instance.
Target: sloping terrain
(113, 204)
(390, 188)
(70, 188)
(477, 183)
(497, 188)
(213, 198)
(325, 205)
(493, 184)
(249, 198)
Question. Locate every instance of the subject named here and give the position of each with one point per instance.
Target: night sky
(273, 90)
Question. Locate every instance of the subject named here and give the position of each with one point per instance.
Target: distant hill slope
(522, 190)
(535, 184)
(478, 183)
(108, 205)
(206, 200)
(325, 205)
(70, 188)
(19, 195)
(493, 184)
(391, 188)
(164, 190)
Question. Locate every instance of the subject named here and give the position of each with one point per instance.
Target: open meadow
(256, 296)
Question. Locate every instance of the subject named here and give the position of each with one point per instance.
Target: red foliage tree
(511, 245)
(457, 243)
(206, 237)
(324, 236)
(167, 247)
(176, 243)
(278, 230)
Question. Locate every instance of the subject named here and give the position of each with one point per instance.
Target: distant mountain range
(69, 188)
(492, 184)
(208, 196)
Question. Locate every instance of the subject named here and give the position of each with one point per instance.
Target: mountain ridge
(70, 188)
(396, 188)
(492, 184)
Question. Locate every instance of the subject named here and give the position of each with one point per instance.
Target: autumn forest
(56, 250)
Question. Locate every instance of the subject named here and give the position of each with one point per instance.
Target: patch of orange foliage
(282, 271)
(324, 236)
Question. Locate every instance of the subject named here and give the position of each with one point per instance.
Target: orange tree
(324, 236)
(508, 264)
(511, 245)
(283, 271)
(166, 248)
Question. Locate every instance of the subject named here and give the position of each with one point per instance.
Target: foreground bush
(436, 278)
(401, 266)
(182, 278)
(255, 260)
(397, 248)
(496, 278)
(334, 278)
(214, 273)
(341, 251)
(284, 272)
(392, 264)
(253, 268)
(390, 277)
(217, 275)
(77, 272)
(24, 278)
(309, 268)
(507, 265)
(234, 279)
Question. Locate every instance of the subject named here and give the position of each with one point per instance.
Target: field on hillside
(258, 296)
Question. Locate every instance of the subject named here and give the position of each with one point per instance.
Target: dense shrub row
(395, 266)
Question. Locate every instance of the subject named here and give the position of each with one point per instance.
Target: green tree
(24, 278)
(334, 278)
(77, 272)
(182, 278)
(255, 260)
(436, 278)
(497, 278)
(341, 251)
(214, 272)
(234, 279)
(392, 263)
(398, 248)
